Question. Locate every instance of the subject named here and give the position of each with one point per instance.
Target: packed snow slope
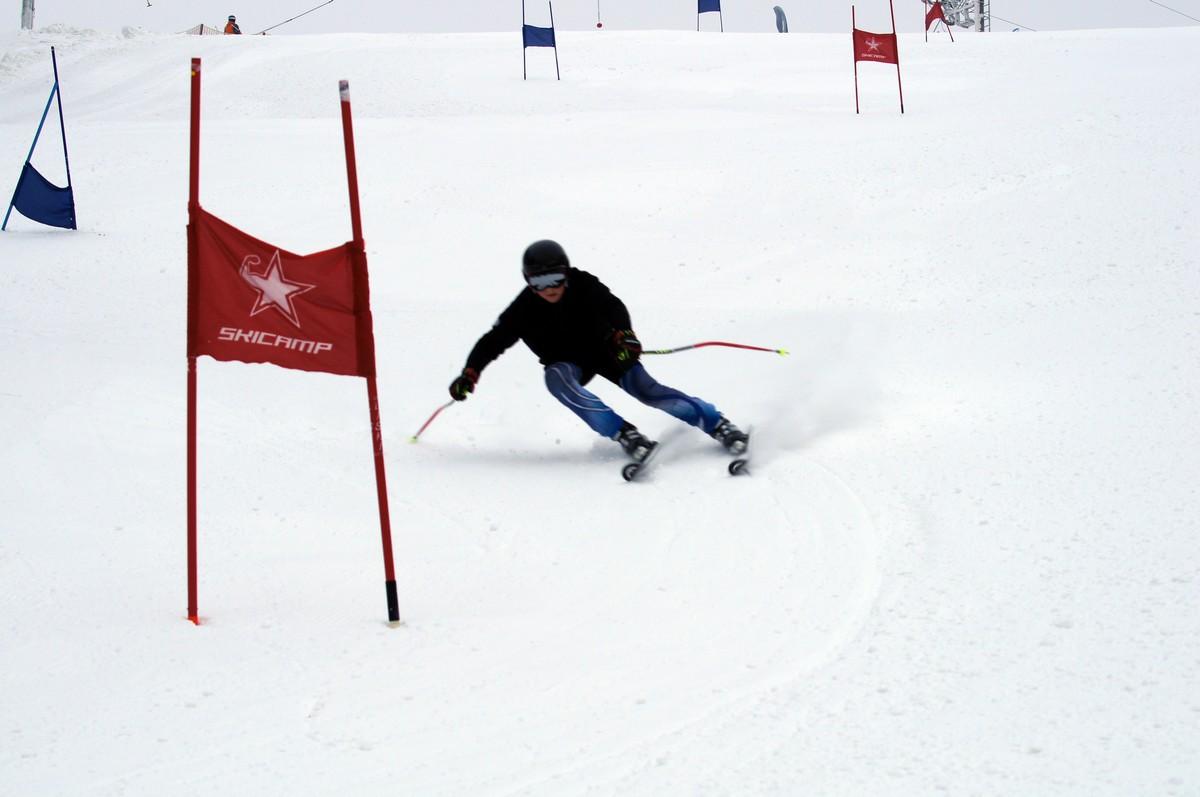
(965, 562)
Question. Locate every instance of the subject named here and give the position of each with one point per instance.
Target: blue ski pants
(565, 383)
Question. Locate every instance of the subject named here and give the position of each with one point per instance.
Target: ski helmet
(544, 257)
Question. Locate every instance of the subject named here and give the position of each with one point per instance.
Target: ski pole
(780, 352)
(425, 425)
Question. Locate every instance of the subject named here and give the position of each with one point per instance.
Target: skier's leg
(689, 409)
(563, 382)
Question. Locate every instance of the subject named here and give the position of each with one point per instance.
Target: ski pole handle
(780, 352)
(425, 425)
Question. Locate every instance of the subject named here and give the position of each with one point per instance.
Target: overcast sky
(493, 15)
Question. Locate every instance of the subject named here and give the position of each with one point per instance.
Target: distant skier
(231, 26)
(578, 329)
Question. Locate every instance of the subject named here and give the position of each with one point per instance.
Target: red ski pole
(781, 352)
(425, 425)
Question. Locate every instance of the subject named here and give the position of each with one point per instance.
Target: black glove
(463, 384)
(628, 348)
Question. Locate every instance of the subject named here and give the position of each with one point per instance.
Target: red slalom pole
(193, 610)
(781, 352)
(896, 39)
(366, 352)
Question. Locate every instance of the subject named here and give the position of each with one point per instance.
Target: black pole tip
(393, 602)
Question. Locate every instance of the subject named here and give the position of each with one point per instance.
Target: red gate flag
(934, 14)
(878, 47)
(251, 301)
(256, 303)
(882, 48)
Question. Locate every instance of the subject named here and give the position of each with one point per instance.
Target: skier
(578, 329)
(231, 26)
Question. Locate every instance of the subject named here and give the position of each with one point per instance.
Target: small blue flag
(537, 37)
(36, 197)
(707, 5)
(41, 200)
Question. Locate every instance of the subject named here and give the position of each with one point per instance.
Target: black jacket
(577, 328)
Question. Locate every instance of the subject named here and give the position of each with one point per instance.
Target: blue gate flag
(41, 200)
(533, 36)
(537, 37)
(780, 20)
(704, 6)
(36, 197)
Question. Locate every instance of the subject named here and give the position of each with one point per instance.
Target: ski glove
(627, 346)
(463, 384)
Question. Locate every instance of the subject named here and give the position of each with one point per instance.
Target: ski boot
(734, 439)
(636, 445)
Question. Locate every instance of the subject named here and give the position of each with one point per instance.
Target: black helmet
(232, 18)
(544, 257)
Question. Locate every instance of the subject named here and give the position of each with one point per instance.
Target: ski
(740, 464)
(631, 470)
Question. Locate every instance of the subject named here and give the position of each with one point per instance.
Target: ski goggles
(540, 282)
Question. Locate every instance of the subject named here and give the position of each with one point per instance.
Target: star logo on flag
(274, 289)
(873, 43)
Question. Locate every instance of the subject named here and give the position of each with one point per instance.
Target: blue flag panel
(41, 200)
(707, 5)
(537, 37)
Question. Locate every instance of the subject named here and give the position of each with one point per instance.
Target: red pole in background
(366, 349)
(193, 205)
(896, 39)
(854, 53)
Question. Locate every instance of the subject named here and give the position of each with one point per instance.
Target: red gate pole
(896, 39)
(366, 352)
(193, 206)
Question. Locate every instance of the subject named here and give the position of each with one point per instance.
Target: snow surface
(966, 561)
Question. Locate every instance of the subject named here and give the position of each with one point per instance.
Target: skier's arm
(625, 344)
(494, 342)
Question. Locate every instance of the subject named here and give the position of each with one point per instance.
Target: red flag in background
(878, 47)
(934, 14)
(881, 48)
(256, 303)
